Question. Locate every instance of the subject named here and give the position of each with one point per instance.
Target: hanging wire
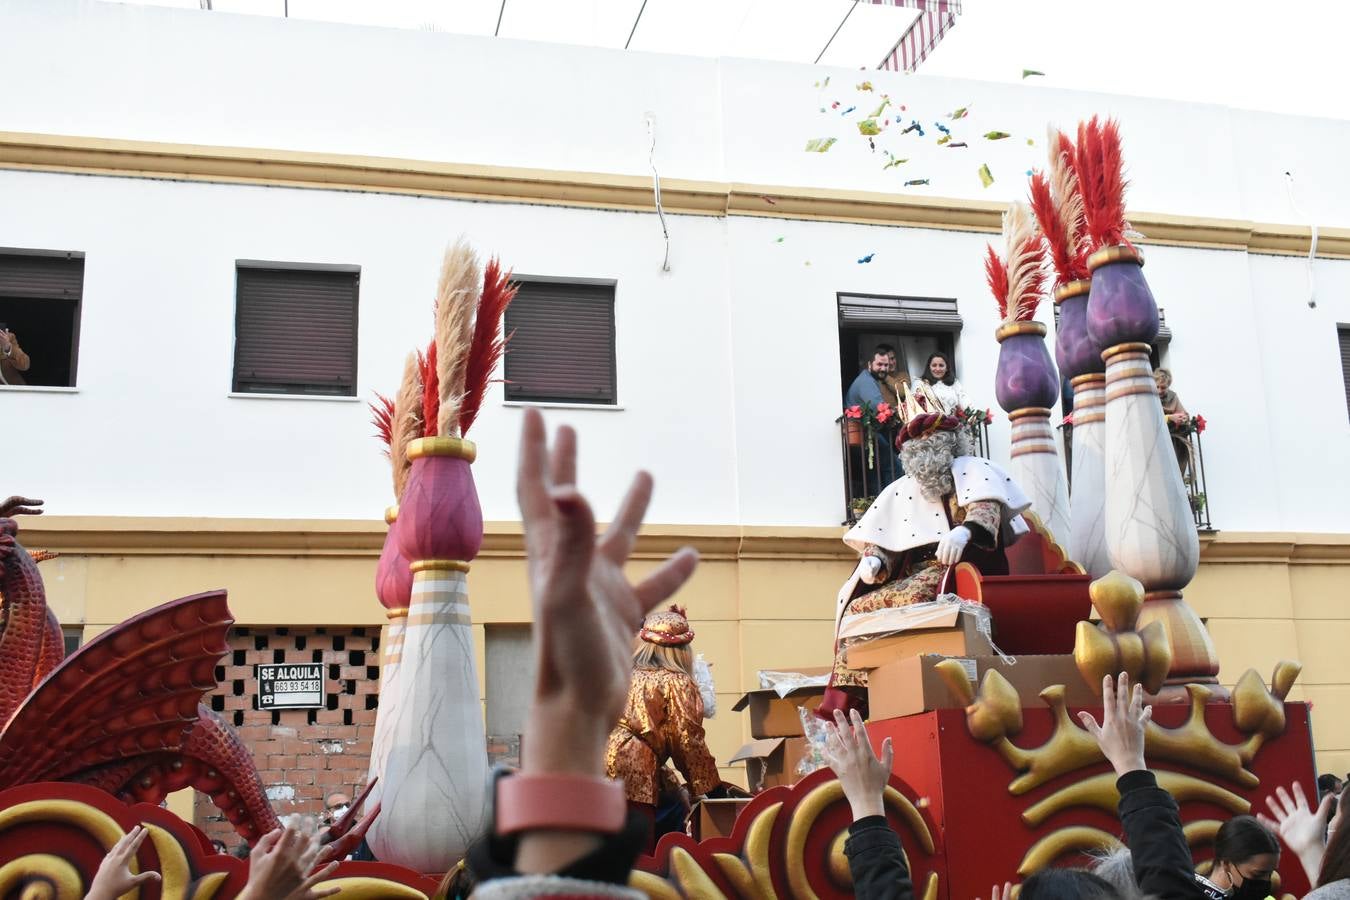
(837, 30)
(656, 187)
(501, 12)
(1312, 247)
(633, 30)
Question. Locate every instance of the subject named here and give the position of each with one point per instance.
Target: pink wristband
(528, 802)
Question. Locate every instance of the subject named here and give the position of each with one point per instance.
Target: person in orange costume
(663, 718)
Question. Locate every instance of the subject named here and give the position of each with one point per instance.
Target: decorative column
(1080, 361)
(1150, 532)
(1026, 386)
(393, 586)
(435, 778)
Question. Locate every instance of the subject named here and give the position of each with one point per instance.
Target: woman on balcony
(940, 375)
(1177, 417)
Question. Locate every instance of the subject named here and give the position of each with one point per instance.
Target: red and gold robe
(663, 720)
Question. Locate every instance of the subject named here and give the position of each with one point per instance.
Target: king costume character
(951, 507)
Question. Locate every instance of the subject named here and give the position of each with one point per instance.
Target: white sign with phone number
(290, 686)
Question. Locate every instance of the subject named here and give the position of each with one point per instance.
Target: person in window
(1176, 416)
(940, 375)
(893, 384)
(13, 361)
(873, 471)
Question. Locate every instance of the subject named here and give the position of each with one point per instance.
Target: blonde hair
(1164, 375)
(677, 658)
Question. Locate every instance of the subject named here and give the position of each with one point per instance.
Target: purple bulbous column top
(1075, 351)
(393, 577)
(1120, 308)
(1026, 376)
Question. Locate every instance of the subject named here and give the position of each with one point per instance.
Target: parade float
(993, 778)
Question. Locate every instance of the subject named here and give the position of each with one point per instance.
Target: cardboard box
(771, 762)
(772, 716)
(912, 685)
(944, 633)
(716, 818)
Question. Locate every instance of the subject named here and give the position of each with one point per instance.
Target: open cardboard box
(715, 818)
(771, 762)
(912, 685)
(772, 716)
(944, 632)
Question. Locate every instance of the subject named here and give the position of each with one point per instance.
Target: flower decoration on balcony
(1187, 427)
(870, 420)
(974, 417)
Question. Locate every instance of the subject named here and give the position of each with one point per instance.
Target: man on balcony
(873, 471)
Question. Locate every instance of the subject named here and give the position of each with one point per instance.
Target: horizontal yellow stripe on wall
(331, 171)
(188, 536)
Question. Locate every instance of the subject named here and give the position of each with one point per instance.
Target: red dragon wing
(132, 690)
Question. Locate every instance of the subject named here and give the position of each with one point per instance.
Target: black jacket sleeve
(875, 861)
(1162, 860)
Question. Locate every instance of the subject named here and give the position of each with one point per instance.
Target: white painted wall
(728, 372)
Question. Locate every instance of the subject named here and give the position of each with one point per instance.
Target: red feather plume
(996, 273)
(431, 389)
(382, 417)
(1101, 174)
(488, 344)
(1047, 216)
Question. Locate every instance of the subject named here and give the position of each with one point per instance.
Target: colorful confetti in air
(915, 182)
(1027, 73)
(942, 128)
(996, 135)
(876, 112)
(986, 177)
(869, 127)
(960, 113)
(866, 259)
(957, 144)
(847, 111)
(865, 86)
(946, 138)
(820, 145)
(779, 240)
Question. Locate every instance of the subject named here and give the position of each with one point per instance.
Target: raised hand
(861, 773)
(1121, 733)
(1302, 828)
(278, 866)
(114, 877)
(586, 611)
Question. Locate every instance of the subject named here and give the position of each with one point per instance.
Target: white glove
(871, 569)
(952, 545)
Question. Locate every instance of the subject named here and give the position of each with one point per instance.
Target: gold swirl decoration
(1074, 839)
(994, 717)
(89, 818)
(779, 834)
(1100, 792)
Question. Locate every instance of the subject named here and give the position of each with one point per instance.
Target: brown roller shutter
(295, 331)
(918, 313)
(1344, 334)
(561, 346)
(41, 276)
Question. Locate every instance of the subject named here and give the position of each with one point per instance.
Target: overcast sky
(1281, 56)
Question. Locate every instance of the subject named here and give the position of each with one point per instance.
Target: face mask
(338, 813)
(1252, 889)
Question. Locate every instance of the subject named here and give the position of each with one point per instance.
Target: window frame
(75, 318)
(609, 285)
(241, 390)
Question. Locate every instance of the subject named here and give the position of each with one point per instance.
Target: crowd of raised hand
(586, 611)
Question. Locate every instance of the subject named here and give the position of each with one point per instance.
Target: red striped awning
(936, 18)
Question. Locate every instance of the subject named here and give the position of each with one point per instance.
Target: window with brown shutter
(295, 329)
(40, 297)
(561, 343)
(1343, 332)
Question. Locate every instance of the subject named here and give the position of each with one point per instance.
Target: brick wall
(302, 755)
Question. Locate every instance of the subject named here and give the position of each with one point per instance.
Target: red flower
(988, 417)
(884, 412)
(853, 412)
(1068, 420)
(961, 414)
(1199, 424)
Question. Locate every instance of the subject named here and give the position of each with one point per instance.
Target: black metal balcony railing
(1190, 457)
(865, 474)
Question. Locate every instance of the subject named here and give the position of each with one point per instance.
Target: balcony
(865, 474)
(1190, 454)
